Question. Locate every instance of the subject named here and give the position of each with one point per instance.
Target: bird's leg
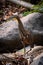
(24, 48)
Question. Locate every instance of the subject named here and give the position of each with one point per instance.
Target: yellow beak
(15, 19)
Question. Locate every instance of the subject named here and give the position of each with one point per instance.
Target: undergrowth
(36, 8)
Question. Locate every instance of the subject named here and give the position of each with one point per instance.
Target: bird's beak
(15, 19)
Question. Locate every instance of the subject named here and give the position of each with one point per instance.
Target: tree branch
(23, 3)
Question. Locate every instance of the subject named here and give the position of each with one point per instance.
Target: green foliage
(36, 8)
(26, 13)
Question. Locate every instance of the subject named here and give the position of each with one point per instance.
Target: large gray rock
(9, 32)
(9, 36)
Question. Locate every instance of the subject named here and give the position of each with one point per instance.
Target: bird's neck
(20, 25)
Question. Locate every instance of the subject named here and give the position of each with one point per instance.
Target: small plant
(38, 8)
(26, 13)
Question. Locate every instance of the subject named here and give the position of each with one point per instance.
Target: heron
(25, 36)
